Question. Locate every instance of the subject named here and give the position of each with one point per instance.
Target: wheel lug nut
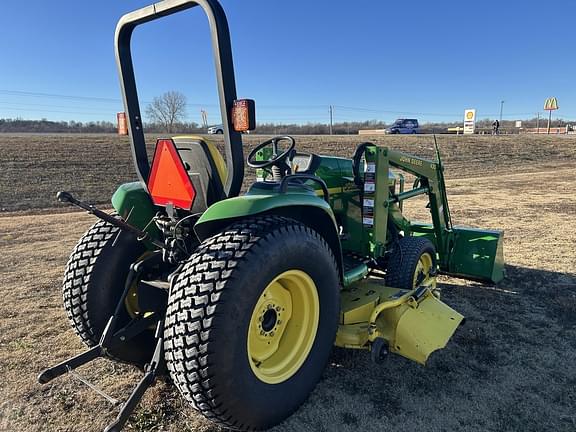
(277, 308)
(279, 321)
(272, 333)
(262, 332)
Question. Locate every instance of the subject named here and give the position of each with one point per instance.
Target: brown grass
(509, 368)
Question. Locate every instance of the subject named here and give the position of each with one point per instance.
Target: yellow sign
(469, 121)
(551, 104)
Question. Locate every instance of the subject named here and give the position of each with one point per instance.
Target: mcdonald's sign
(551, 104)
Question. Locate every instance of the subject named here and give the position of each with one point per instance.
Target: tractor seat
(206, 168)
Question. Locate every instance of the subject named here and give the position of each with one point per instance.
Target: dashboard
(302, 162)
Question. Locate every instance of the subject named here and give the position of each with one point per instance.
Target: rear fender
(133, 203)
(303, 207)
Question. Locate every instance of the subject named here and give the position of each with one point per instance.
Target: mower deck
(412, 323)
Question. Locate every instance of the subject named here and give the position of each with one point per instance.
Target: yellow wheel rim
(283, 326)
(131, 300)
(422, 274)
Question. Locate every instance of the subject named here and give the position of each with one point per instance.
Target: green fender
(304, 207)
(132, 202)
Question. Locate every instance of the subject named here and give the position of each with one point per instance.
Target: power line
(58, 96)
(393, 112)
(22, 104)
(117, 100)
(266, 108)
(58, 111)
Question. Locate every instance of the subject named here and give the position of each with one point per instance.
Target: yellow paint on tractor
(414, 323)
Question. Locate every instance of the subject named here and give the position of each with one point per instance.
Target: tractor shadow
(552, 293)
(518, 334)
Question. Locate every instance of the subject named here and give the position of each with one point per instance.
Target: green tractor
(239, 299)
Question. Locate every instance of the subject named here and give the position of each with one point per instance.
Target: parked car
(216, 129)
(219, 129)
(403, 126)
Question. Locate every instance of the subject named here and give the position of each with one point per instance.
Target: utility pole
(538, 122)
(501, 108)
(204, 115)
(331, 117)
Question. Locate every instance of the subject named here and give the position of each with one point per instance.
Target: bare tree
(167, 110)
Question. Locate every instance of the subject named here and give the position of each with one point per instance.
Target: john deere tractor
(237, 298)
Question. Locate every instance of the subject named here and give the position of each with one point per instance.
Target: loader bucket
(477, 254)
(417, 330)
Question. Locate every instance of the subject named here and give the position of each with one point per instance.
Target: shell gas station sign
(469, 121)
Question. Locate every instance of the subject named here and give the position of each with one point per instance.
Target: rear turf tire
(94, 281)
(210, 317)
(411, 256)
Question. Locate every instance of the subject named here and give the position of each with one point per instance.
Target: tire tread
(408, 250)
(194, 301)
(77, 278)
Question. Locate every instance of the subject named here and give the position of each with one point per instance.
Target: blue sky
(370, 59)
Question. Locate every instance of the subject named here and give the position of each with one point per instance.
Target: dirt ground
(34, 167)
(510, 367)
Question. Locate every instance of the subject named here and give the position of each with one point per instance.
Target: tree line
(340, 128)
(166, 114)
(48, 126)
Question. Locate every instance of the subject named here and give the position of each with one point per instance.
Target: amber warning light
(169, 182)
(244, 115)
(122, 123)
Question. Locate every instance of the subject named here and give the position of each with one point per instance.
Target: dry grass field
(510, 367)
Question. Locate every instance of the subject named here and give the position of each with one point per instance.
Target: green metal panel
(134, 205)
(413, 164)
(478, 254)
(381, 203)
(367, 240)
(331, 172)
(256, 201)
(418, 229)
(297, 203)
(350, 216)
(348, 209)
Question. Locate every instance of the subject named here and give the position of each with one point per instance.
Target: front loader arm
(465, 252)
(431, 179)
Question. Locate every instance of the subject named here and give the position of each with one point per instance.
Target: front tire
(251, 322)
(412, 263)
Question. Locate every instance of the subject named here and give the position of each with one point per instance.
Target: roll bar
(224, 76)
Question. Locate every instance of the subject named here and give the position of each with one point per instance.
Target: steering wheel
(278, 160)
(356, 159)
